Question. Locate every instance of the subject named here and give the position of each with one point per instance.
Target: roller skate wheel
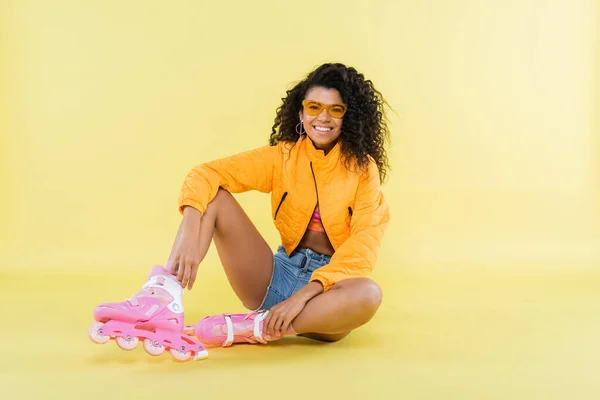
(127, 343)
(95, 333)
(153, 348)
(180, 355)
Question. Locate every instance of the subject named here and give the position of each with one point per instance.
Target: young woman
(323, 167)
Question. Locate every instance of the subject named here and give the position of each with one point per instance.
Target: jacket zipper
(280, 203)
(350, 211)
(317, 191)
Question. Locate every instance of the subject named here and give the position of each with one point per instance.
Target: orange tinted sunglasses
(315, 108)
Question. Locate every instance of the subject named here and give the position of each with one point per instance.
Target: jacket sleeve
(242, 172)
(356, 257)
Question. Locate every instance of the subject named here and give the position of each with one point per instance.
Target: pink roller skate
(226, 329)
(155, 314)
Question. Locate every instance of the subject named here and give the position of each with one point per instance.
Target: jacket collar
(315, 154)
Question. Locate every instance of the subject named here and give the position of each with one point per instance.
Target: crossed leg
(333, 314)
(248, 263)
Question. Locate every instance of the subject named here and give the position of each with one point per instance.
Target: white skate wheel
(180, 355)
(154, 349)
(128, 343)
(95, 333)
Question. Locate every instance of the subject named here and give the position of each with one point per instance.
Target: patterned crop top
(315, 223)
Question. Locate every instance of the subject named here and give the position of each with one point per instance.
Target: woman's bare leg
(346, 306)
(246, 257)
(248, 263)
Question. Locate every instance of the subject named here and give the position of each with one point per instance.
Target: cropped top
(315, 222)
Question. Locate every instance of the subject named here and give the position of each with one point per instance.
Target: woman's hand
(185, 254)
(281, 316)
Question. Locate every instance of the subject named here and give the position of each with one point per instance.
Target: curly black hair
(364, 128)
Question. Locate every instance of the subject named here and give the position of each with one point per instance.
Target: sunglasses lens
(337, 111)
(313, 108)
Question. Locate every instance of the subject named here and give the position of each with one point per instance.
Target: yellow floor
(465, 336)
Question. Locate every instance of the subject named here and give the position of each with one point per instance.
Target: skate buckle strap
(229, 339)
(259, 318)
(257, 331)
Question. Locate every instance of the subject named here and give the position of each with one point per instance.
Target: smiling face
(322, 129)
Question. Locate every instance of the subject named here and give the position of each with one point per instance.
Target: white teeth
(321, 129)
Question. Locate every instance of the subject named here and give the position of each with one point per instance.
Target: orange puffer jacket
(298, 176)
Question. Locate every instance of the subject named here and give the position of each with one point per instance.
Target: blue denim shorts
(291, 273)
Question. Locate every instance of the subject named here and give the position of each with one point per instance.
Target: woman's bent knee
(366, 292)
(222, 205)
(372, 295)
(221, 196)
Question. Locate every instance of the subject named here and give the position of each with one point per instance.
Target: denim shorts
(291, 273)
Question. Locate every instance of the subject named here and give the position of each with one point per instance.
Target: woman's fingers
(274, 314)
(186, 275)
(172, 265)
(279, 326)
(266, 322)
(285, 325)
(193, 276)
(182, 267)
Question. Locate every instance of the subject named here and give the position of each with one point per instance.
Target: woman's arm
(250, 170)
(356, 257)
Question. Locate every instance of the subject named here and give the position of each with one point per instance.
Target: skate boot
(155, 315)
(227, 329)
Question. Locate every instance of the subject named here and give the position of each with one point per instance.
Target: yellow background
(490, 269)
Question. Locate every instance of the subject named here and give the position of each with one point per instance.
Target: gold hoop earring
(300, 128)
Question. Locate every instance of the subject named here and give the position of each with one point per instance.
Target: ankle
(291, 330)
